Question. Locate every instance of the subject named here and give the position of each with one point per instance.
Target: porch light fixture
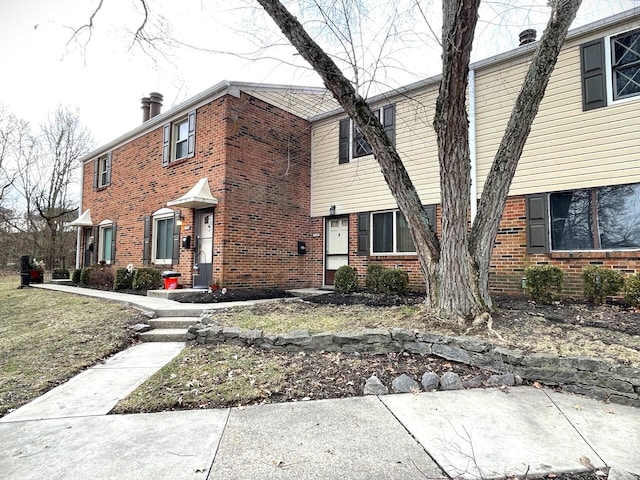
(180, 220)
(332, 210)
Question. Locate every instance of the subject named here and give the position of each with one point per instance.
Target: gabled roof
(304, 102)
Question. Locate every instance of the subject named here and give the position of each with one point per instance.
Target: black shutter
(146, 243)
(95, 173)
(192, 135)
(96, 245)
(537, 223)
(108, 170)
(389, 122)
(592, 66)
(175, 251)
(113, 244)
(343, 142)
(363, 233)
(166, 144)
(431, 215)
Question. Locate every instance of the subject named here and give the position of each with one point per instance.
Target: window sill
(164, 263)
(179, 161)
(103, 187)
(597, 254)
(394, 256)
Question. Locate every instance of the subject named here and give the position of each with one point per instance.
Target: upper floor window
(352, 143)
(179, 139)
(610, 68)
(102, 171)
(625, 64)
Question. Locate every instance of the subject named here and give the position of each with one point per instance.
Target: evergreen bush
(544, 282)
(147, 279)
(346, 279)
(600, 283)
(395, 282)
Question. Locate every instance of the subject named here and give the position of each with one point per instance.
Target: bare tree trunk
(496, 188)
(393, 170)
(458, 295)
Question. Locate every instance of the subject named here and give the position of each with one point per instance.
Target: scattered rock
(148, 314)
(507, 379)
(404, 384)
(518, 380)
(430, 381)
(474, 382)
(374, 386)
(140, 328)
(450, 381)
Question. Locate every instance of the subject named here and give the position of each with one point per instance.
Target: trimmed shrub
(346, 279)
(373, 277)
(123, 280)
(84, 275)
(147, 279)
(60, 273)
(395, 282)
(100, 277)
(76, 275)
(544, 282)
(632, 290)
(600, 283)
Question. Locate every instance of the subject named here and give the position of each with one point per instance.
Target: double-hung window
(390, 233)
(179, 139)
(610, 69)
(625, 65)
(102, 171)
(352, 143)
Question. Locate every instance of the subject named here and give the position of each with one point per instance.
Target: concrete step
(173, 322)
(164, 335)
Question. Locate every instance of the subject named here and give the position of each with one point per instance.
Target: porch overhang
(83, 220)
(198, 197)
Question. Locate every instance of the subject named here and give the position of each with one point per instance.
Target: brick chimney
(146, 106)
(527, 36)
(155, 100)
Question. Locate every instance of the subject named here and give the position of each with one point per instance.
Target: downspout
(473, 193)
(79, 229)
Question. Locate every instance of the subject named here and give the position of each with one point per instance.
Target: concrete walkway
(479, 433)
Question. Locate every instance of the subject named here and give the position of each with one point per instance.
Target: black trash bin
(170, 279)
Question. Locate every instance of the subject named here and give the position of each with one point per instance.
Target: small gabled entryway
(336, 246)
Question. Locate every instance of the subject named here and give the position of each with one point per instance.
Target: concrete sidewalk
(467, 434)
(161, 306)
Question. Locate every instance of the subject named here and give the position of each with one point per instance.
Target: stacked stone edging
(588, 376)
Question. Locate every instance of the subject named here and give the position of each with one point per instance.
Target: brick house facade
(255, 158)
(293, 191)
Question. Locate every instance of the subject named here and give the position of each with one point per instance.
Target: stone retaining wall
(588, 376)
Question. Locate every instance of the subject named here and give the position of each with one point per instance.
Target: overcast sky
(105, 80)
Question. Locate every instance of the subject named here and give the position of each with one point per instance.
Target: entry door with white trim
(336, 246)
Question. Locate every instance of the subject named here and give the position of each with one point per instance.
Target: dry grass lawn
(47, 337)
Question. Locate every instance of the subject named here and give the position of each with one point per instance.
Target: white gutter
(473, 193)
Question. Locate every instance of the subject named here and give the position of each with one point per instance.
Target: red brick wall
(510, 256)
(267, 188)
(258, 171)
